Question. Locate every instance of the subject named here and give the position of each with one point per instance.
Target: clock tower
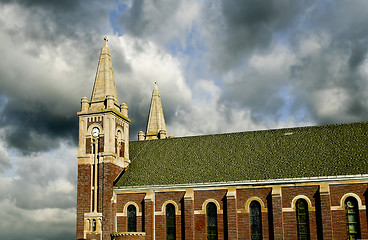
(102, 152)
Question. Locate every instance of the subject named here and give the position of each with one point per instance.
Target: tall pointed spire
(104, 83)
(156, 127)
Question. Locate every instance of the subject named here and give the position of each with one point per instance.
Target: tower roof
(104, 83)
(156, 120)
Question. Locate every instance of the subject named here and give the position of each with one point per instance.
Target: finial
(105, 38)
(155, 83)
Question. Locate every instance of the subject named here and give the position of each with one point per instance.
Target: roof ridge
(263, 130)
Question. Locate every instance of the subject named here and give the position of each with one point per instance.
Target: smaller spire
(156, 127)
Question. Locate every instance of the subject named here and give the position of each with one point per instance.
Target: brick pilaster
(232, 220)
(149, 215)
(83, 196)
(107, 173)
(277, 212)
(189, 224)
(324, 191)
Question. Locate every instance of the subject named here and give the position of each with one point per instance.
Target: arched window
(170, 222)
(132, 218)
(211, 214)
(302, 219)
(119, 144)
(352, 218)
(255, 220)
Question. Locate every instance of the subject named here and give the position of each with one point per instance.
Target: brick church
(295, 183)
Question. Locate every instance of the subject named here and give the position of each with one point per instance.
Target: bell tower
(103, 152)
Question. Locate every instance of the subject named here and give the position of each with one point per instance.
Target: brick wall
(107, 174)
(289, 218)
(278, 215)
(160, 220)
(83, 196)
(242, 196)
(122, 200)
(189, 226)
(148, 219)
(338, 216)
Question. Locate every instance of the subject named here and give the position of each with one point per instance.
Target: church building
(294, 183)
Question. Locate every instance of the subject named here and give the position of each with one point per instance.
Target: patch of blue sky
(191, 46)
(11, 171)
(3, 102)
(287, 110)
(115, 16)
(286, 95)
(193, 53)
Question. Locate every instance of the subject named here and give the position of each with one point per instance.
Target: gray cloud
(324, 79)
(222, 66)
(33, 127)
(240, 29)
(145, 18)
(40, 199)
(47, 45)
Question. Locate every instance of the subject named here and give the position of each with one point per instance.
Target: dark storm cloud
(327, 84)
(146, 18)
(65, 4)
(246, 27)
(338, 64)
(32, 123)
(34, 127)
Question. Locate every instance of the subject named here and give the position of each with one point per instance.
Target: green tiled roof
(260, 155)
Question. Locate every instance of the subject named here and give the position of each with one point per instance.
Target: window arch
(352, 218)
(170, 222)
(132, 218)
(119, 143)
(255, 220)
(211, 215)
(302, 218)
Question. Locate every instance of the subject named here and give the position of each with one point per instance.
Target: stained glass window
(132, 218)
(352, 218)
(211, 211)
(255, 220)
(302, 219)
(170, 222)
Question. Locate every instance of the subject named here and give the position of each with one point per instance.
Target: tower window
(255, 220)
(170, 222)
(132, 218)
(352, 218)
(94, 225)
(211, 215)
(302, 219)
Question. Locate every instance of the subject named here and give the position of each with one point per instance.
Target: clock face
(95, 132)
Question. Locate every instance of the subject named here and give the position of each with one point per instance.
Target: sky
(221, 66)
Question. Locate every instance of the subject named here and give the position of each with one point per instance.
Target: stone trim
(293, 202)
(118, 234)
(342, 200)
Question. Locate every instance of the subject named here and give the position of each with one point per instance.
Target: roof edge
(266, 130)
(249, 182)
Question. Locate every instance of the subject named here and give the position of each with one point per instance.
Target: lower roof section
(259, 156)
